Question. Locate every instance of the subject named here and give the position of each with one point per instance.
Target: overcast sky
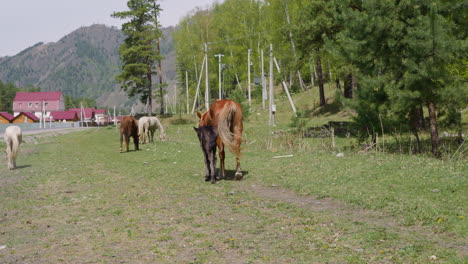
(24, 23)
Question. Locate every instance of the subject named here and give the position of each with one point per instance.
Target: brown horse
(226, 117)
(129, 128)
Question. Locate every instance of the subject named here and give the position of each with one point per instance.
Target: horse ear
(199, 115)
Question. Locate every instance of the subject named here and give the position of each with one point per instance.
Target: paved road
(47, 130)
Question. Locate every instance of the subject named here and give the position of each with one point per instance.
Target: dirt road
(49, 130)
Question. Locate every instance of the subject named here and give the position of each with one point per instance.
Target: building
(88, 113)
(25, 117)
(36, 102)
(5, 118)
(64, 116)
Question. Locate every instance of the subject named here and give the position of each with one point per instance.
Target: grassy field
(76, 199)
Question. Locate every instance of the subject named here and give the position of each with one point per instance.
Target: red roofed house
(65, 116)
(25, 117)
(5, 118)
(88, 113)
(34, 102)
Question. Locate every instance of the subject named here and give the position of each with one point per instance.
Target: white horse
(13, 138)
(147, 125)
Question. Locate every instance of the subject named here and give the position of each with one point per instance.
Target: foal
(207, 136)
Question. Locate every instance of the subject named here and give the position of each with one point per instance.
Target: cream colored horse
(13, 138)
(147, 125)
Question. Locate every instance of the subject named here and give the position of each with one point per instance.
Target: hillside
(81, 64)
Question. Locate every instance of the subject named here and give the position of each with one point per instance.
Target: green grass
(80, 200)
(76, 199)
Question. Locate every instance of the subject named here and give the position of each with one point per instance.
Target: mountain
(81, 64)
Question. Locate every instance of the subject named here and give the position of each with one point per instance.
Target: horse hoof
(238, 176)
(207, 179)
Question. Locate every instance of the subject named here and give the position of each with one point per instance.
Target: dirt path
(50, 132)
(354, 214)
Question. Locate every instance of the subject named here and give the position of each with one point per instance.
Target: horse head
(162, 135)
(204, 118)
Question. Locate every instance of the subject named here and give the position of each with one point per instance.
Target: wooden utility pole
(285, 87)
(248, 77)
(207, 81)
(187, 91)
(115, 120)
(220, 96)
(271, 106)
(198, 86)
(175, 98)
(264, 90)
(161, 111)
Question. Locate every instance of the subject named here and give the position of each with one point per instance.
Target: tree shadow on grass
(332, 108)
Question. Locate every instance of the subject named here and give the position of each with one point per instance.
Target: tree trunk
(433, 127)
(349, 85)
(161, 111)
(320, 80)
(149, 108)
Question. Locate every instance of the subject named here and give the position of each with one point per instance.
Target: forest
(398, 65)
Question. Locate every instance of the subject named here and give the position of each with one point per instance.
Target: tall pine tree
(139, 51)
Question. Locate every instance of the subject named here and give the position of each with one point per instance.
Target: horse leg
(136, 141)
(9, 154)
(222, 155)
(121, 141)
(127, 141)
(146, 135)
(238, 137)
(213, 165)
(152, 135)
(238, 175)
(207, 166)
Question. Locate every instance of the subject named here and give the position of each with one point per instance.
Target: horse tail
(15, 142)
(227, 119)
(140, 128)
(13, 138)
